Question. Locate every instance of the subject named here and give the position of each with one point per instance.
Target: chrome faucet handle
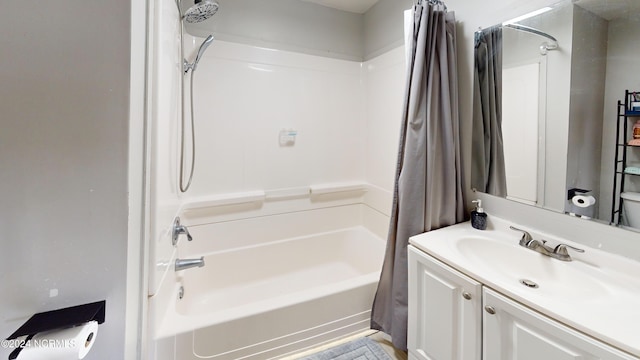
(177, 230)
(561, 249)
(526, 239)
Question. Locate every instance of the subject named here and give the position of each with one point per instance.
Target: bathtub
(275, 298)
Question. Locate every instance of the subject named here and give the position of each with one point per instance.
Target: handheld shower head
(205, 44)
(201, 11)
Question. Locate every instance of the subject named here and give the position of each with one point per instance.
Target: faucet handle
(561, 249)
(177, 230)
(526, 237)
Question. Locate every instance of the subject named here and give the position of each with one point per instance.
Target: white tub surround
(596, 294)
(251, 190)
(342, 112)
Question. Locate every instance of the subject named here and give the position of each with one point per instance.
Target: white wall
(64, 96)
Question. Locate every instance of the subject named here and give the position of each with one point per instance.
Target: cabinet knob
(490, 309)
(466, 295)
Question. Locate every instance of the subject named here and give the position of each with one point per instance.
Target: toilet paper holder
(59, 319)
(572, 192)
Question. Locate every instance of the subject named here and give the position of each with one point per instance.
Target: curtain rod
(531, 30)
(544, 48)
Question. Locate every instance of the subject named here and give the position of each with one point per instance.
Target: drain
(529, 283)
(181, 293)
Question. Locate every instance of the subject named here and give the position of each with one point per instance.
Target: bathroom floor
(378, 336)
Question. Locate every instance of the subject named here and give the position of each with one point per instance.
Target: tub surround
(249, 188)
(293, 192)
(237, 145)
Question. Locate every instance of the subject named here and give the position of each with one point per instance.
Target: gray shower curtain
(428, 185)
(487, 155)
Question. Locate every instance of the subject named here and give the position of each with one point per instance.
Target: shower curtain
(428, 185)
(488, 168)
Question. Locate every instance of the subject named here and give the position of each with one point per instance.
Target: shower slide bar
(261, 196)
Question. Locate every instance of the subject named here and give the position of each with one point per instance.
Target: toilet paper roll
(64, 344)
(583, 201)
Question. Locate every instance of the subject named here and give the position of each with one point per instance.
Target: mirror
(546, 92)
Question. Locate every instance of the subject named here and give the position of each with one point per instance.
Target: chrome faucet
(559, 252)
(183, 264)
(177, 230)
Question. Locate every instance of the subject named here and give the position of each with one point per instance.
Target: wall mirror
(546, 92)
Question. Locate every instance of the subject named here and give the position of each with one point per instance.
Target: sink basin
(596, 293)
(514, 263)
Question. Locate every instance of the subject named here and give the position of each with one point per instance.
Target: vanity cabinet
(454, 317)
(511, 331)
(444, 311)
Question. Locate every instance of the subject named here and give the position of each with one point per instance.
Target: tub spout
(183, 264)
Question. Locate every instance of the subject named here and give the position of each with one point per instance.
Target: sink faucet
(183, 264)
(559, 252)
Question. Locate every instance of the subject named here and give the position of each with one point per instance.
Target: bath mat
(360, 349)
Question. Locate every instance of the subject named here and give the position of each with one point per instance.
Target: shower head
(201, 11)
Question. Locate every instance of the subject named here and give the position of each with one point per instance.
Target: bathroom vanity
(480, 295)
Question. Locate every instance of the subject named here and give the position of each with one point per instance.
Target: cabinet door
(445, 310)
(512, 331)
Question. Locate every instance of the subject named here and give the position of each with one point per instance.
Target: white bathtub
(271, 299)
